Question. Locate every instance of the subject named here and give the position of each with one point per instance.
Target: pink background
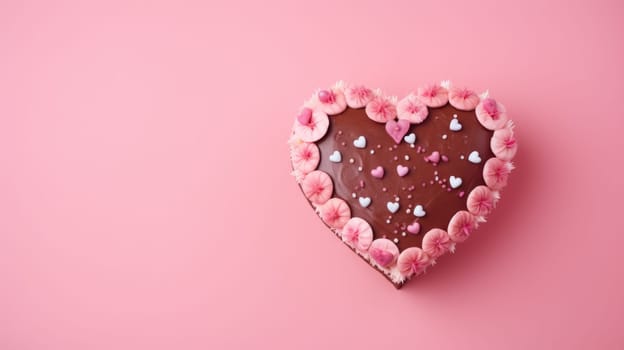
(146, 202)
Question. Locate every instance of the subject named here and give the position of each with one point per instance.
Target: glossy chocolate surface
(419, 186)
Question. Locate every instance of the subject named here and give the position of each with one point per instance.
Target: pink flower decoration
(381, 109)
(496, 173)
(413, 261)
(315, 129)
(436, 243)
(503, 144)
(305, 157)
(463, 99)
(358, 234)
(461, 226)
(433, 95)
(384, 252)
(331, 101)
(358, 96)
(491, 114)
(480, 201)
(412, 109)
(335, 213)
(317, 186)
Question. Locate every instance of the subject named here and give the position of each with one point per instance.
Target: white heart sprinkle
(455, 181)
(360, 142)
(419, 211)
(392, 207)
(455, 125)
(473, 157)
(364, 201)
(335, 157)
(411, 138)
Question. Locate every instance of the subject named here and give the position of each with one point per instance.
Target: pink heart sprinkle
(402, 170)
(305, 117)
(382, 257)
(413, 228)
(378, 172)
(433, 157)
(397, 129)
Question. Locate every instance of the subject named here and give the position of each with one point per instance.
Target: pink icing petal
(463, 99)
(491, 114)
(305, 117)
(358, 234)
(503, 144)
(358, 96)
(462, 224)
(331, 101)
(305, 157)
(317, 186)
(412, 109)
(381, 109)
(326, 96)
(433, 95)
(480, 201)
(335, 213)
(397, 129)
(436, 243)
(495, 173)
(412, 262)
(315, 129)
(384, 252)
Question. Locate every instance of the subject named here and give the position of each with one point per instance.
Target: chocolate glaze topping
(439, 203)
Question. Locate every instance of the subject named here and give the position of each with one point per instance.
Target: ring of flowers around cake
(312, 123)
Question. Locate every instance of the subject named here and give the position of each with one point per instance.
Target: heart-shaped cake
(402, 181)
